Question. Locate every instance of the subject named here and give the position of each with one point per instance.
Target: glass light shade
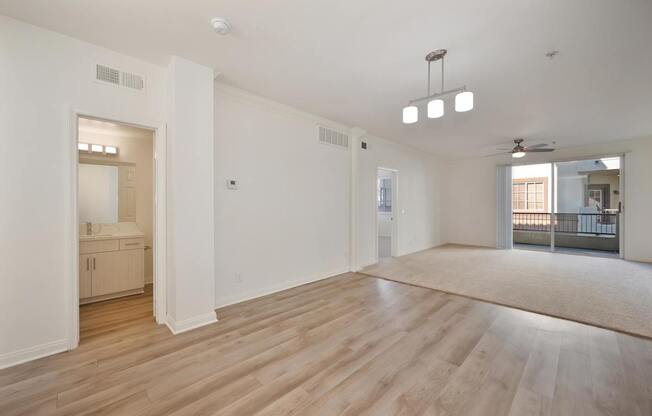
(111, 150)
(410, 114)
(518, 155)
(464, 101)
(435, 108)
(83, 146)
(97, 148)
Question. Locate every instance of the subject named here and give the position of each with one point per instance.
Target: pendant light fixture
(463, 98)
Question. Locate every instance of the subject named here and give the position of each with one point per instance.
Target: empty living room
(218, 207)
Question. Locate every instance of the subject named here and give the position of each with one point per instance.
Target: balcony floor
(568, 250)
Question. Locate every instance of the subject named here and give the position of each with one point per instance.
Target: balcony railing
(593, 224)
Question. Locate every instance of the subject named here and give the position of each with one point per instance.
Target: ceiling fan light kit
(463, 98)
(519, 150)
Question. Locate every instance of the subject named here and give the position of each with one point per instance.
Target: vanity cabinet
(111, 268)
(85, 276)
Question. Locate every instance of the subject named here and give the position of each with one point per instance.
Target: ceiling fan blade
(536, 146)
(531, 150)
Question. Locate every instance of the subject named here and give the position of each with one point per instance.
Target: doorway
(385, 212)
(570, 207)
(117, 221)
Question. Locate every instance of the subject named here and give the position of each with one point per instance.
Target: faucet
(89, 228)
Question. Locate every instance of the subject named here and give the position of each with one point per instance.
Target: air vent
(106, 74)
(131, 81)
(328, 136)
(116, 77)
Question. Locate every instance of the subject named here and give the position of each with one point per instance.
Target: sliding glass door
(569, 206)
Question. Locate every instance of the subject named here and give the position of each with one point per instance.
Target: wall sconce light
(97, 148)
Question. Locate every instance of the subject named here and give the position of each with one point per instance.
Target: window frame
(527, 195)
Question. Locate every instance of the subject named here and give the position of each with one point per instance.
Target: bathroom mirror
(107, 192)
(98, 193)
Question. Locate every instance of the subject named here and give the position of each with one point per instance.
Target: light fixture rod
(442, 76)
(437, 95)
(428, 78)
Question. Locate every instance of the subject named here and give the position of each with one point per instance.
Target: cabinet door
(117, 271)
(127, 194)
(85, 276)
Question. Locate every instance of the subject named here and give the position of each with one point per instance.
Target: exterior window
(529, 195)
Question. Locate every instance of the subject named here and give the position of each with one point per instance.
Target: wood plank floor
(350, 345)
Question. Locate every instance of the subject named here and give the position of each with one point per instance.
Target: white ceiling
(358, 62)
(93, 126)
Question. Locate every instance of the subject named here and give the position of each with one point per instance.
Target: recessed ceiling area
(359, 63)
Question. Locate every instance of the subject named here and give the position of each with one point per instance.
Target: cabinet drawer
(132, 243)
(86, 247)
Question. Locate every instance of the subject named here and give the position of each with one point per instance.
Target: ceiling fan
(519, 150)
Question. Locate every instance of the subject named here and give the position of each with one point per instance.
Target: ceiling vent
(114, 76)
(328, 136)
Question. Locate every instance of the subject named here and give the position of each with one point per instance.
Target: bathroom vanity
(111, 261)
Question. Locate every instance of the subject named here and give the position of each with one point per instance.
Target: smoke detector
(220, 25)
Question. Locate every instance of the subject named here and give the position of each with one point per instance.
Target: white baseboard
(252, 294)
(177, 327)
(11, 359)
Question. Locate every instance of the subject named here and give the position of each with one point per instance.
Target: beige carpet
(610, 293)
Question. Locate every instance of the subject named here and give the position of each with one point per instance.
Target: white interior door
(386, 212)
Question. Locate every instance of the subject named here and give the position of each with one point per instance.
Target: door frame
(395, 211)
(622, 189)
(159, 277)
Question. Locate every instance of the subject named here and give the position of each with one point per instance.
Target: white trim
(268, 290)
(160, 246)
(504, 233)
(190, 323)
(13, 358)
(357, 136)
(160, 225)
(622, 192)
(553, 204)
(72, 286)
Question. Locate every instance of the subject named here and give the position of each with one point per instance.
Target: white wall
(38, 162)
(36, 167)
(191, 258)
(471, 202)
(419, 195)
(98, 194)
(288, 223)
(472, 199)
